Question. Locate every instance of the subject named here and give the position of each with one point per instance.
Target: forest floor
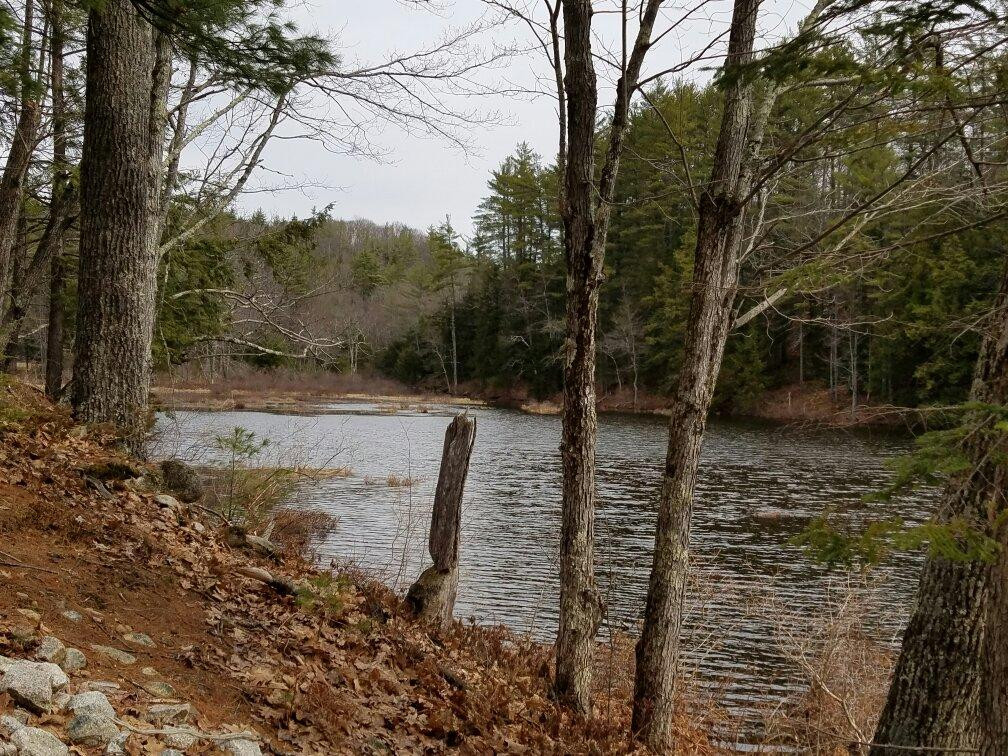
(190, 641)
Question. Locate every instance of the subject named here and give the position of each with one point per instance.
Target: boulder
(182, 480)
(93, 730)
(241, 747)
(50, 649)
(30, 614)
(73, 660)
(32, 741)
(72, 615)
(180, 739)
(92, 702)
(32, 684)
(139, 639)
(170, 713)
(117, 747)
(101, 685)
(114, 653)
(158, 688)
(167, 502)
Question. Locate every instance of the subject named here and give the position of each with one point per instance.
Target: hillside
(170, 638)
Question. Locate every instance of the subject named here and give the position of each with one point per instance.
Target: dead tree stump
(432, 596)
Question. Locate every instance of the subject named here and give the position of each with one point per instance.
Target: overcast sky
(420, 180)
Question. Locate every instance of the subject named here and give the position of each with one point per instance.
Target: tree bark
(18, 159)
(719, 238)
(54, 332)
(118, 262)
(432, 596)
(580, 601)
(585, 210)
(949, 689)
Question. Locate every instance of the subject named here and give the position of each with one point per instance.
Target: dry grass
(298, 531)
(242, 377)
(395, 481)
(541, 408)
(847, 673)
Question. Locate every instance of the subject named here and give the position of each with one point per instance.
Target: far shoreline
(789, 405)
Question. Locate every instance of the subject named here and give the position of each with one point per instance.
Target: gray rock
(149, 672)
(93, 703)
(22, 634)
(73, 660)
(30, 614)
(117, 747)
(10, 723)
(139, 639)
(170, 713)
(50, 649)
(5, 662)
(61, 700)
(101, 685)
(92, 730)
(167, 502)
(242, 747)
(114, 653)
(8, 749)
(172, 752)
(158, 688)
(32, 684)
(72, 615)
(181, 740)
(22, 716)
(182, 480)
(263, 546)
(32, 741)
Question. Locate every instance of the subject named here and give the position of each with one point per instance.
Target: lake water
(759, 485)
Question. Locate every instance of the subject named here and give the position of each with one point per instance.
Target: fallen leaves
(326, 663)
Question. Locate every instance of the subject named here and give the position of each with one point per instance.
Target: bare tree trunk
(18, 159)
(432, 596)
(719, 239)
(853, 346)
(454, 340)
(949, 689)
(57, 265)
(118, 262)
(585, 209)
(580, 602)
(11, 330)
(54, 334)
(801, 354)
(994, 688)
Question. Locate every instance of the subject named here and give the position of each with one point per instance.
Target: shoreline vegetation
(309, 393)
(193, 632)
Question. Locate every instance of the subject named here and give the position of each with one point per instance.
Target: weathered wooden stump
(432, 596)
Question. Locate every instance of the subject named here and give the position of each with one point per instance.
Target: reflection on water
(758, 486)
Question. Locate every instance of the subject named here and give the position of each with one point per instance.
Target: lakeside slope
(211, 647)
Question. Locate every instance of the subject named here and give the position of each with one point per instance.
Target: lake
(759, 485)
